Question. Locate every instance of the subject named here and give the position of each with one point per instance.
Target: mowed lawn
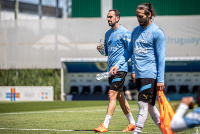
(73, 117)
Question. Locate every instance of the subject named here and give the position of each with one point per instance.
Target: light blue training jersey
(192, 119)
(116, 43)
(148, 50)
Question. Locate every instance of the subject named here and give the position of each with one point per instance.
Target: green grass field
(74, 117)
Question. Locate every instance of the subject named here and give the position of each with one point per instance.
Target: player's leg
(155, 115)
(153, 111)
(115, 83)
(126, 110)
(135, 91)
(145, 87)
(128, 94)
(142, 116)
(112, 95)
(120, 96)
(124, 103)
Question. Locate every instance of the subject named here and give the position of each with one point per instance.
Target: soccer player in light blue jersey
(190, 120)
(148, 50)
(117, 40)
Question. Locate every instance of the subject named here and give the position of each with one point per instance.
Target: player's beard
(144, 22)
(112, 24)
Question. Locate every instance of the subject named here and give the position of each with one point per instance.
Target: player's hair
(148, 7)
(117, 13)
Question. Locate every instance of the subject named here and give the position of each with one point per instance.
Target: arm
(105, 47)
(160, 55)
(99, 48)
(133, 70)
(178, 122)
(124, 58)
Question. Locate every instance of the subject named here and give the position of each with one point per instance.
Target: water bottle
(103, 75)
(102, 51)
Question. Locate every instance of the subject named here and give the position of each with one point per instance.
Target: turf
(74, 117)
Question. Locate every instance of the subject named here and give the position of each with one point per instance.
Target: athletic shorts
(117, 81)
(147, 90)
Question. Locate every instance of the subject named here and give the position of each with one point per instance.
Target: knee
(120, 96)
(111, 96)
(143, 106)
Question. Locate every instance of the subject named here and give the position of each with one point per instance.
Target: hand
(133, 77)
(187, 100)
(99, 47)
(160, 86)
(114, 68)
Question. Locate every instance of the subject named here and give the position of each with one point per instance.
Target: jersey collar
(118, 27)
(147, 26)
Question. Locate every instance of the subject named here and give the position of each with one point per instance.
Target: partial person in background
(148, 50)
(180, 121)
(117, 40)
(132, 89)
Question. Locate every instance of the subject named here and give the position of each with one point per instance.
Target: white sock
(130, 119)
(136, 132)
(155, 115)
(107, 121)
(142, 116)
(138, 128)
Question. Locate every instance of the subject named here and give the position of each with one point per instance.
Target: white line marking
(21, 129)
(58, 112)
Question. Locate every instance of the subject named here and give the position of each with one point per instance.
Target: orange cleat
(101, 128)
(129, 128)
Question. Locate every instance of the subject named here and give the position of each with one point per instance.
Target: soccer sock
(107, 121)
(142, 116)
(138, 128)
(155, 115)
(130, 119)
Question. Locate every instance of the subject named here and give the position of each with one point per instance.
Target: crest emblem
(147, 35)
(116, 36)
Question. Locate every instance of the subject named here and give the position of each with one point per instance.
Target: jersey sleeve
(132, 62)
(132, 57)
(160, 44)
(128, 53)
(178, 122)
(192, 119)
(105, 45)
(106, 48)
(127, 39)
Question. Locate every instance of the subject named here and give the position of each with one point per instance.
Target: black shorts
(117, 81)
(147, 90)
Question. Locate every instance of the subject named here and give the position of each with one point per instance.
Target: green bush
(32, 77)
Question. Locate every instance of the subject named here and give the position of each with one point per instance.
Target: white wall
(42, 43)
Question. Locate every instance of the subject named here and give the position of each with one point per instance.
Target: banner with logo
(92, 65)
(26, 93)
